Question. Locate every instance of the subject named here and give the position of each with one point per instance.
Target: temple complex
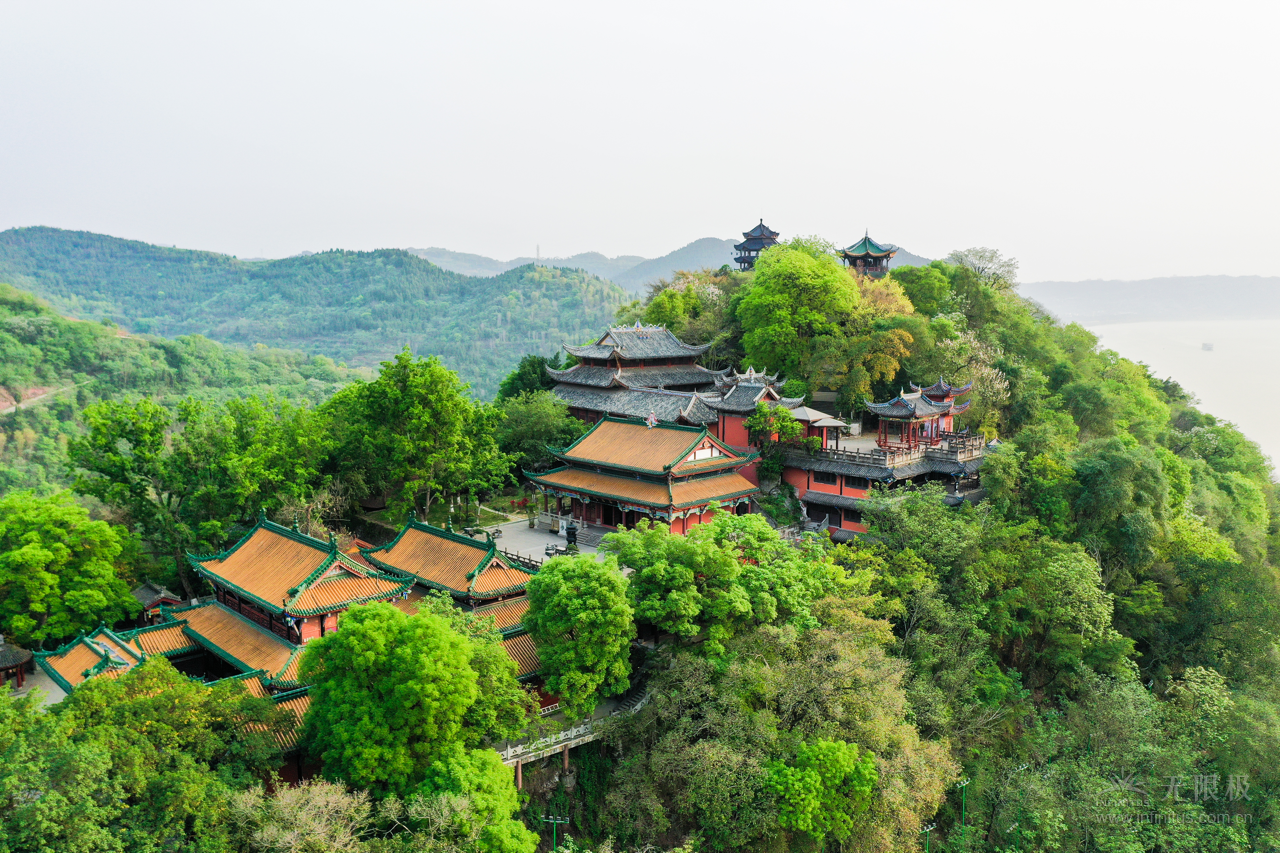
(644, 372)
(916, 442)
(867, 257)
(242, 633)
(753, 243)
(625, 470)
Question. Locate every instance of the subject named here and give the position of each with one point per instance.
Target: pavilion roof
(442, 559)
(757, 239)
(11, 655)
(942, 388)
(521, 649)
(94, 653)
(285, 571)
(635, 446)
(869, 248)
(911, 407)
(637, 342)
(149, 594)
(507, 615)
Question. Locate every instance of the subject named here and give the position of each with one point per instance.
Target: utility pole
(928, 829)
(554, 821)
(963, 784)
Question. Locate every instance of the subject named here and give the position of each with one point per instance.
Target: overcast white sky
(1111, 140)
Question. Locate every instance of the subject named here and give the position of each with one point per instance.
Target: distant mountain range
(358, 307)
(1200, 297)
(631, 272)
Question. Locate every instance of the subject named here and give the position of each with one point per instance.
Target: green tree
(181, 482)
(58, 569)
(533, 422)
(684, 585)
(414, 432)
(529, 377)
(797, 297)
(823, 788)
(583, 624)
(503, 706)
(390, 694)
(146, 761)
(992, 269)
(773, 429)
(927, 287)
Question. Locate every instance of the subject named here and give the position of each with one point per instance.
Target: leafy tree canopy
(58, 569)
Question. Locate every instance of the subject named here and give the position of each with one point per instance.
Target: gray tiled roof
(841, 501)
(636, 377)
(942, 388)
(910, 406)
(636, 342)
(149, 593)
(667, 406)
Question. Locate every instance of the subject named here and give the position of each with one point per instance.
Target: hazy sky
(1112, 140)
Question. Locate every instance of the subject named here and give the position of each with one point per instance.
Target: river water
(1230, 380)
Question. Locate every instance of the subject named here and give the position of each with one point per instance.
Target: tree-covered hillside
(51, 368)
(356, 307)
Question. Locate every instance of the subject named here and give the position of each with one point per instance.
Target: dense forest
(1084, 660)
(354, 307)
(51, 368)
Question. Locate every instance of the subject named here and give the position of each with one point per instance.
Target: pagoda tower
(867, 257)
(755, 241)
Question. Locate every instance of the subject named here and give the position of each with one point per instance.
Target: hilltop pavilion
(753, 243)
(867, 257)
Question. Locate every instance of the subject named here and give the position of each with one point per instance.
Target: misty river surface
(1231, 380)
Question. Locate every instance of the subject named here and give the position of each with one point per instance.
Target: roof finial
(448, 525)
(295, 522)
(333, 541)
(262, 514)
(413, 516)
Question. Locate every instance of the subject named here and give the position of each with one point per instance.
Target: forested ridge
(51, 368)
(354, 307)
(1084, 660)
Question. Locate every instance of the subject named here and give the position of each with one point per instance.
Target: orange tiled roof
(268, 563)
(506, 614)
(165, 639)
(227, 633)
(719, 487)
(521, 649)
(628, 444)
(298, 705)
(448, 561)
(409, 604)
(607, 485)
(72, 664)
(331, 593)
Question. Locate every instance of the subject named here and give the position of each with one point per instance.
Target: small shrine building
(625, 470)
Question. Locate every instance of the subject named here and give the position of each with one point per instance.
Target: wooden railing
(952, 447)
